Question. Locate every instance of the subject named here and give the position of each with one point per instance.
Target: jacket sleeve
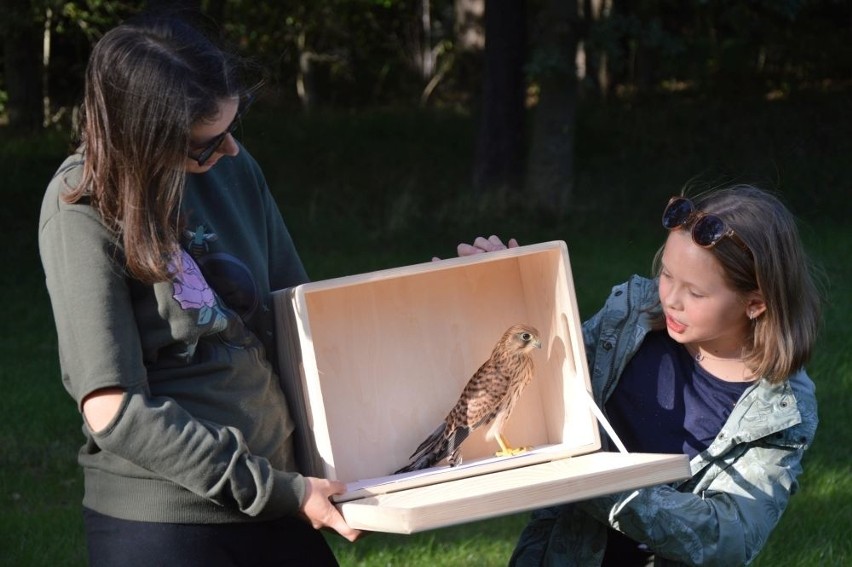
(727, 523)
(592, 332)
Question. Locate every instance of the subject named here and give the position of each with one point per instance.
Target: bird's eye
(526, 336)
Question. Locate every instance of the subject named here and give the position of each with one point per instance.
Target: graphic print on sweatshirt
(192, 291)
(232, 280)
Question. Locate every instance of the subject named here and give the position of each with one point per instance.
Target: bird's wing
(481, 398)
(514, 375)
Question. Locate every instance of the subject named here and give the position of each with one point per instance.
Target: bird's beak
(537, 343)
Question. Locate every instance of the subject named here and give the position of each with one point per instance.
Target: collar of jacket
(767, 411)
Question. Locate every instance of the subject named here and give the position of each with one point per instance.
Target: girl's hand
(320, 512)
(482, 244)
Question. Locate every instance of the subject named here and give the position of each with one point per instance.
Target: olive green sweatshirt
(204, 434)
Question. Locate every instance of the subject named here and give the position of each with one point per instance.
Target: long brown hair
(147, 82)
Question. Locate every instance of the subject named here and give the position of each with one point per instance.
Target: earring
(751, 315)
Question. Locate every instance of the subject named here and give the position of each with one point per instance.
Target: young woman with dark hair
(161, 245)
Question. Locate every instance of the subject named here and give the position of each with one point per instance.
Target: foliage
(366, 52)
(724, 47)
(93, 17)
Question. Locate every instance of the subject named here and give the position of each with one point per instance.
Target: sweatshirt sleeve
(286, 268)
(100, 347)
(208, 459)
(285, 265)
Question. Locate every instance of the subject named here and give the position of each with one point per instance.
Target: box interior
(384, 356)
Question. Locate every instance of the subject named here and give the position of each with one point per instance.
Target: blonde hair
(776, 265)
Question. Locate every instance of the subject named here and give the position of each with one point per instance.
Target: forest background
(390, 130)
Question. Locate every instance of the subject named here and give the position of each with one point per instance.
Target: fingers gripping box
(372, 363)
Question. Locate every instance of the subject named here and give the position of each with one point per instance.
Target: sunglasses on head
(707, 229)
(210, 148)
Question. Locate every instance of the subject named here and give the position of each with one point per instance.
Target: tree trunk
(498, 167)
(468, 46)
(551, 162)
(469, 26)
(305, 84)
(427, 57)
(595, 14)
(22, 47)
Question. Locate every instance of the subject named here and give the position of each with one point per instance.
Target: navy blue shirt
(666, 402)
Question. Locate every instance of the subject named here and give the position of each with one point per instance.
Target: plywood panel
(511, 491)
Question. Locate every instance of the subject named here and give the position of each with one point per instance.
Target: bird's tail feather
(436, 447)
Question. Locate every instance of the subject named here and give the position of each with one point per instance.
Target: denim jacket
(740, 485)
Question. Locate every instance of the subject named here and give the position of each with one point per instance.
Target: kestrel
(488, 398)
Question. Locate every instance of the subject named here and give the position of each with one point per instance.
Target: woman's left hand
(320, 512)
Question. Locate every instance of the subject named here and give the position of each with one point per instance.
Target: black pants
(621, 551)
(124, 543)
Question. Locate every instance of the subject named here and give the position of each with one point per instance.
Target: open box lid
(511, 491)
(380, 358)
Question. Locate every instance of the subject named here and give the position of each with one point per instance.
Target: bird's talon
(511, 452)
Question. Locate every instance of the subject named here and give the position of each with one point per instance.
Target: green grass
(387, 188)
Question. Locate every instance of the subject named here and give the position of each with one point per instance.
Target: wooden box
(380, 358)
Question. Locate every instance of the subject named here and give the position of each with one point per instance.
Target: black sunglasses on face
(707, 229)
(213, 145)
